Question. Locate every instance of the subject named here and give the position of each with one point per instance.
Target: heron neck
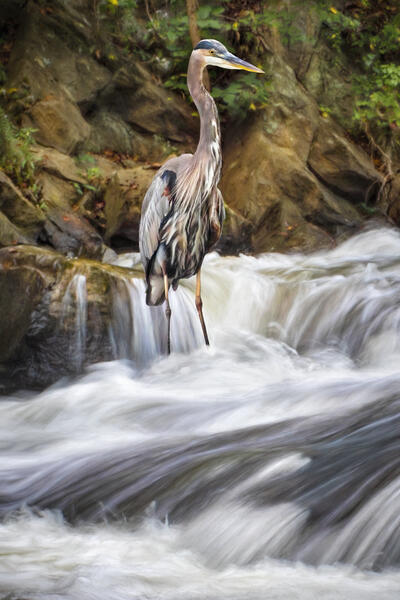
(210, 138)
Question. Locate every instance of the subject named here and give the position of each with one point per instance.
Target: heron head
(214, 53)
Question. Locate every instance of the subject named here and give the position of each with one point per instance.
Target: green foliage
(336, 24)
(368, 32)
(16, 158)
(245, 93)
(174, 30)
(89, 171)
(378, 98)
(93, 174)
(115, 7)
(85, 160)
(117, 19)
(251, 25)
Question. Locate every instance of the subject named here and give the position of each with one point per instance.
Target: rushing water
(264, 467)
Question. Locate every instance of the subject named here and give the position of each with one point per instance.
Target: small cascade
(289, 299)
(139, 332)
(121, 321)
(74, 308)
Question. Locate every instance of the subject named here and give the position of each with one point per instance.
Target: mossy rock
(40, 312)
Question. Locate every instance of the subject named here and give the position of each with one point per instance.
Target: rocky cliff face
(292, 179)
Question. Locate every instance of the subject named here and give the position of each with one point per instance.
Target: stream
(266, 466)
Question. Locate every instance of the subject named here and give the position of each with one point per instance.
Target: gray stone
(58, 123)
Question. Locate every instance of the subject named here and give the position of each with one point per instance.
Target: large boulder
(110, 132)
(20, 293)
(58, 315)
(293, 174)
(66, 230)
(58, 123)
(148, 106)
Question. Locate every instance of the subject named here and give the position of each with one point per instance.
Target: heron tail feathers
(155, 293)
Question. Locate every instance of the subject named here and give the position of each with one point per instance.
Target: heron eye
(212, 51)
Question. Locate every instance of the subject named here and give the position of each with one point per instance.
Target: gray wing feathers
(155, 207)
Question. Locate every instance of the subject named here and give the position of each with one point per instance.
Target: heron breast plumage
(182, 216)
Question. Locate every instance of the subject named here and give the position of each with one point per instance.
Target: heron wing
(157, 204)
(155, 207)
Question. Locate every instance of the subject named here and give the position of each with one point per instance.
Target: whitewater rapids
(264, 467)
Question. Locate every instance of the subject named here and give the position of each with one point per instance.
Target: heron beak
(233, 62)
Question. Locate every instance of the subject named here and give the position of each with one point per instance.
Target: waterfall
(75, 302)
(264, 466)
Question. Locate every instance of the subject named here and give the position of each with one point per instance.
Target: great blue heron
(183, 209)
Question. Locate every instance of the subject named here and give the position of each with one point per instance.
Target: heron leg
(199, 306)
(167, 312)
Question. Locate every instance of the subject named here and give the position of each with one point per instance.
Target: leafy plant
(16, 158)
(173, 31)
(245, 94)
(250, 25)
(93, 174)
(368, 32)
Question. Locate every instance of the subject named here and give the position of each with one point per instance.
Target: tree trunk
(191, 7)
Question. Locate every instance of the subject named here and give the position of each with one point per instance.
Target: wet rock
(236, 233)
(20, 293)
(55, 315)
(390, 199)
